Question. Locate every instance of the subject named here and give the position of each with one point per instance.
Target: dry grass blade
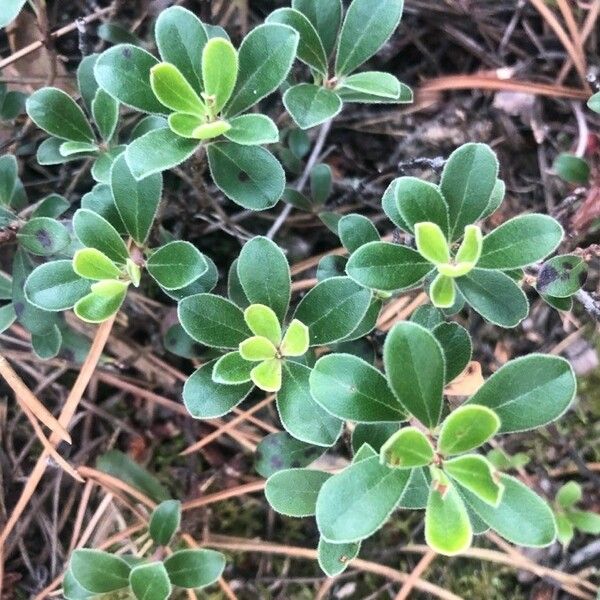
(240, 490)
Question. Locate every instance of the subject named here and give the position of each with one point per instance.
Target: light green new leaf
(181, 37)
(205, 398)
(387, 267)
(264, 274)
(356, 231)
(442, 291)
(105, 110)
(431, 243)
(93, 264)
(252, 130)
(310, 47)
(467, 428)
(468, 180)
(419, 201)
(335, 558)
(164, 521)
(495, 296)
(99, 572)
(150, 582)
(56, 113)
(520, 241)
(176, 264)
(174, 91)
(448, 529)
(43, 236)
(376, 83)
(585, 521)
(325, 18)
(219, 73)
(250, 176)
(569, 494)
(192, 569)
(294, 492)
(471, 246)
(356, 502)
(562, 276)
(457, 347)
(296, 339)
(522, 517)
(104, 301)
(265, 58)
(528, 392)
(232, 369)
(366, 28)
(310, 105)
(209, 131)
(333, 309)
(415, 367)
(266, 375)
(184, 124)
(136, 200)
(477, 475)
(257, 349)
(407, 449)
(55, 286)
(94, 231)
(213, 321)
(353, 390)
(263, 321)
(124, 72)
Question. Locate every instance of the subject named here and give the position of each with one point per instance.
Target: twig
(591, 306)
(409, 584)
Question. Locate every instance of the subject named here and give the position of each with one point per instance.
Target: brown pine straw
(415, 575)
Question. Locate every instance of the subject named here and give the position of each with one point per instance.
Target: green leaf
(429, 317)
(93, 264)
(416, 493)
(496, 199)
(208, 399)
(562, 276)
(333, 309)
(94, 231)
(55, 286)
(194, 568)
(43, 236)
(86, 81)
(528, 392)
(250, 176)
(70, 148)
(146, 124)
(587, 522)
(219, 73)
(176, 264)
(257, 348)
(569, 494)
(373, 434)
(467, 428)
(310, 47)
(456, 344)
(136, 200)
(564, 529)
(7, 316)
(47, 345)
(52, 206)
(56, 113)
(264, 274)
(294, 492)
(9, 176)
(468, 181)
(419, 201)
(301, 416)
(280, 450)
(185, 125)
(103, 302)
(9, 11)
(296, 339)
(325, 18)
(356, 231)
(232, 369)
(520, 241)
(263, 321)
(351, 389)
(405, 96)
(594, 102)
(447, 526)
(173, 90)
(571, 168)
(265, 58)
(310, 105)
(376, 83)
(124, 72)
(477, 475)
(335, 558)
(113, 33)
(442, 291)
(181, 37)
(213, 321)
(365, 30)
(495, 296)
(387, 267)
(415, 367)
(406, 449)
(321, 182)
(150, 582)
(356, 502)
(99, 572)
(12, 105)
(100, 201)
(164, 521)
(252, 130)
(522, 517)
(105, 110)
(103, 164)
(158, 150)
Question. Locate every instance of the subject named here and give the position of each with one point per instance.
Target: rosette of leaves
(12, 103)
(325, 39)
(206, 88)
(268, 346)
(95, 281)
(569, 518)
(95, 574)
(452, 259)
(433, 464)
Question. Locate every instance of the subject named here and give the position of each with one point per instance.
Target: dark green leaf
(310, 105)
(106, 114)
(562, 276)
(334, 558)
(94, 231)
(356, 231)
(571, 168)
(294, 492)
(150, 582)
(43, 236)
(176, 264)
(280, 450)
(164, 521)
(456, 344)
(373, 434)
(99, 572)
(419, 201)
(194, 568)
(325, 18)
